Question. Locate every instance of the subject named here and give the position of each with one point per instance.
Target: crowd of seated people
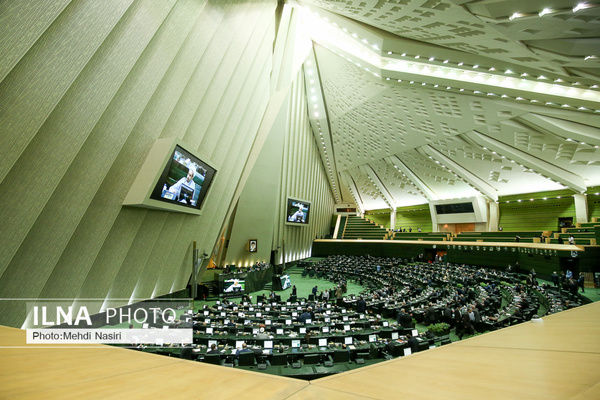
(468, 298)
(258, 266)
(380, 319)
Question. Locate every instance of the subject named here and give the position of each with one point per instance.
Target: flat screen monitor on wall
(184, 181)
(173, 178)
(297, 212)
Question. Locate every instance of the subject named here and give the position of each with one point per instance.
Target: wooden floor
(558, 358)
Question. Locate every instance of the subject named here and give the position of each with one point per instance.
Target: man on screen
(298, 216)
(187, 184)
(235, 287)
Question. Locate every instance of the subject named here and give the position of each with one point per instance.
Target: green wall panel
(88, 89)
(593, 202)
(539, 214)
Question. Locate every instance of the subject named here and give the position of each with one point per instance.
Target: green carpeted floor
(303, 285)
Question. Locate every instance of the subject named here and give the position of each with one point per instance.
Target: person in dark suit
(304, 316)
(244, 349)
(185, 353)
(413, 343)
(448, 315)
(361, 305)
(405, 319)
(429, 317)
(555, 278)
(581, 282)
(389, 346)
(213, 349)
(476, 315)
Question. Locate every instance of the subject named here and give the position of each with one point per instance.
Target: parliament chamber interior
(300, 199)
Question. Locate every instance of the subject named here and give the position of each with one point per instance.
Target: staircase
(361, 228)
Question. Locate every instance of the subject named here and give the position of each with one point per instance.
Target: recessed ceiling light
(544, 12)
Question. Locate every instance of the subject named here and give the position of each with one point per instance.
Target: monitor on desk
(206, 312)
(294, 314)
(295, 343)
(255, 331)
(259, 304)
(267, 309)
(343, 311)
(372, 338)
(279, 331)
(247, 322)
(303, 330)
(386, 324)
(327, 320)
(394, 335)
(211, 342)
(223, 314)
(308, 321)
(283, 308)
(415, 333)
(267, 322)
(288, 321)
(325, 329)
(239, 344)
(348, 340)
(322, 342)
(225, 321)
(259, 314)
(345, 318)
(268, 344)
(346, 327)
(209, 331)
(251, 309)
(361, 316)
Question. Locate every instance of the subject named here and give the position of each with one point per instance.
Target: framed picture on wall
(253, 245)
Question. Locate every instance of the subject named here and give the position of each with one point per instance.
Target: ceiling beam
(469, 178)
(374, 178)
(544, 168)
(564, 129)
(349, 182)
(413, 179)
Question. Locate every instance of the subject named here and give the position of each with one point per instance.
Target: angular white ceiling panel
(443, 99)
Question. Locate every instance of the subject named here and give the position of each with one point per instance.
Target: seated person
(304, 316)
(244, 349)
(189, 187)
(413, 343)
(213, 349)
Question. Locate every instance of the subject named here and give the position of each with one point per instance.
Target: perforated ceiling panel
(473, 98)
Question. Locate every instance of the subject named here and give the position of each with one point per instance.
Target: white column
(493, 216)
(434, 223)
(581, 210)
(392, 219)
